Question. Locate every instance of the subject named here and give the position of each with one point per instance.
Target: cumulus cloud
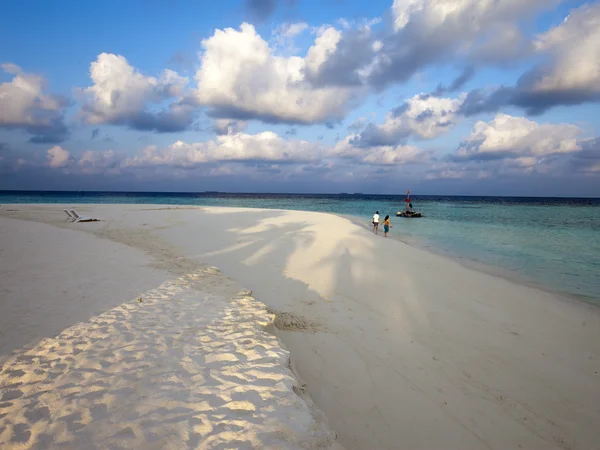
(58, 157)
(569, 75)
(341, 58)
(422, 116)
(25, 105)
(100, 162)
(424, 32)
(241, 78)
(121, 95)
(432, 31)
(517, 137)
(379, 155)
(266, 146)
(505, 146)
(572, 75)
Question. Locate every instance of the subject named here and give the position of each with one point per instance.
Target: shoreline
(422, 244)
(465, 261)
(429, 353)
(481, 266)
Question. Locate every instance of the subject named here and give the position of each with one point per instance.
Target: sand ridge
(188, 364)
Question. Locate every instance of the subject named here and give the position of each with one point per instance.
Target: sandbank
(398, 347)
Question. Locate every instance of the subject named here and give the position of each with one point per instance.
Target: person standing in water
(376, 222)
(386, 225)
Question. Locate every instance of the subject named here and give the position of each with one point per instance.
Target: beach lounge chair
(79, 218)
(71, 216)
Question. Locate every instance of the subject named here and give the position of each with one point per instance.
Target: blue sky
(443, 96)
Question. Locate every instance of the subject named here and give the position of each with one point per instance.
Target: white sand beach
(398, 347)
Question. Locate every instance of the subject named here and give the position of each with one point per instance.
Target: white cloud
(294, 29)
(241, 78)
(379, 155)
(265, 146)
(433, 31)
(229, 126)
(324, 47)
(422, 116)
(284, 35)
(342, 58)
(11, 68)
(25, 105)
(575, 49)
(100, 162)
(518, 137)
(403, 10)
(568, 74)
(468, 16)
(121, 95)
(58, 157)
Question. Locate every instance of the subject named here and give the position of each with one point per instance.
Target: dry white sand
(399, 347)
(187, 364)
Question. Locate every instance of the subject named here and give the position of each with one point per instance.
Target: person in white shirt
(376, 222)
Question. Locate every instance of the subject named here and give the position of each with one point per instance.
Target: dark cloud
(398, 111)
(48, 127)
(262, 9)
(537, 101)
(588, 158)
(465, 76)
(26, 106)
(227, 126)
(406, 52)
(481, 100)
(474, 155)
(426, 37)
(373, 136)
(341, 68)
(315, 169)
(52, 133)
(533, 102)
(357, 126)
(235, 113)
(166, 121)
(177, 117)
(422, 117)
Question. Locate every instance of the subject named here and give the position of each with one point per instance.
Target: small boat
(409, 213)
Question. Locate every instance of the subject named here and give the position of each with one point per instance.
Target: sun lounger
(79, 218)
(71, 218)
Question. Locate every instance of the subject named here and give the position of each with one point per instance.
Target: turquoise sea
(553, 243)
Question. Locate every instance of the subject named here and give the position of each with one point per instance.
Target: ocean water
(553, 243)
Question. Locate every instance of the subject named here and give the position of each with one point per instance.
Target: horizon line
(210, 192)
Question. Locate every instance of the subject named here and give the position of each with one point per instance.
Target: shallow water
(554, 243)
